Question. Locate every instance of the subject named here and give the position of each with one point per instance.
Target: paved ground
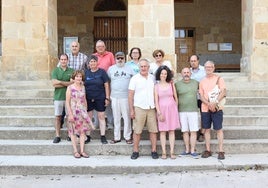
(193, 179)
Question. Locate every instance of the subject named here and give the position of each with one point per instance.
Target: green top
(62, 75)
(187, 95)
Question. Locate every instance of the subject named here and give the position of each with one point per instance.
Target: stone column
(29, 39)
(254, 60)
(151, 26)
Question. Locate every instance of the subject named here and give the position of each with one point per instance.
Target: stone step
(48, 110)
(247, 101)
(19, 101)
(27, 93)
(117, 164)
(48, 121)
(46, 147)
(48, 133)
(254, 110)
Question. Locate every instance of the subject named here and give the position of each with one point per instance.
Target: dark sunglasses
(158, 55)
(118, 58)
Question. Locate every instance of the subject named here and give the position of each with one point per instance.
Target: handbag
(213, 95)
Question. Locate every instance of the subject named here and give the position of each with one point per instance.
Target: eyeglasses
(120, 58)
(158, 55)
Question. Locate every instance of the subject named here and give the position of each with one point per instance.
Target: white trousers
(121, 109)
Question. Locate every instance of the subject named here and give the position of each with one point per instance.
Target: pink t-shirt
(206, 85)
(105, 60)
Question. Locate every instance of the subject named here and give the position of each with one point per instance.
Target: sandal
(164, 156)
(172, 156)
(115, 141)
(83, 154)
(129, 141)
(77, 155)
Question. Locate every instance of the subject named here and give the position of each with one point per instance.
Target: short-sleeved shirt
(186, 92)
(206, 85)
(94, 84)
(63, 75)
(77, 62)
(120, 77)
(143, 91)
(135, 67)
(198, 74)
(105, 60)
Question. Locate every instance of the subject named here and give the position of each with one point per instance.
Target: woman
(135, 55)
(97, 93)
(159, 61)
(166, 103)
(78, 119)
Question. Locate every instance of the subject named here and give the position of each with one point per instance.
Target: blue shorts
(212, 117)
(96, 104)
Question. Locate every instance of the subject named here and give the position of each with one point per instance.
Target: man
(60, 79)
(120, 75)
(142, 107)
(186, 90)
(198, 73)
(77, 61)
(105, 60)
(211, 112)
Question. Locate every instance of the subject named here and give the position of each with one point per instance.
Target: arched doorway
(111, 28)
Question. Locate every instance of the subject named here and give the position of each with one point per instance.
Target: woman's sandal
(77, 155)
(164, 156)
(172, 156)
(85, 155)
(115, 141)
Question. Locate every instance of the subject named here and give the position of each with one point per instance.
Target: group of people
(141, 94)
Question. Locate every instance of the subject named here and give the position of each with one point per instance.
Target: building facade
(233, 33)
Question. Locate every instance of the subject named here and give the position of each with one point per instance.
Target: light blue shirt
(134, 66)
(198, 74)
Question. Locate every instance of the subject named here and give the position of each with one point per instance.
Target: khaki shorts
(143, 116)
(59, 106)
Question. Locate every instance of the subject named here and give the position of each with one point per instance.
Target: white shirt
(143, 91)
(154, 66)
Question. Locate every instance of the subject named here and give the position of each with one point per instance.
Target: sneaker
(221, 156)
(185, 153)
(56, 140)
(68, 139)
(135, 155)
(154, 155)
(88, 139)
(194, 154)
(206, 154)
(103, 140)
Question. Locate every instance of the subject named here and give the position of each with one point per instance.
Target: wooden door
(113, 31)
(184, 46)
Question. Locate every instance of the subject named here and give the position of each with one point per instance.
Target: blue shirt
(134, 66)
(198, 74)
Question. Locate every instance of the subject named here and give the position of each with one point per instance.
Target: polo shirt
(63, 75)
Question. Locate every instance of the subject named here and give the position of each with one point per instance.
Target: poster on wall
(226, 46)
(212, 46)
(67, 41)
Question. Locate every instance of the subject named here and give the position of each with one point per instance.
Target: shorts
(143, 116)
(212, 117)
(96, 104)
(189, 121)
(59, 107)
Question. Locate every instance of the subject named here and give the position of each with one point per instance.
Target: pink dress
(82, 121)
(168, 108)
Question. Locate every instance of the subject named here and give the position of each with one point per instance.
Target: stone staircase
(27, 130)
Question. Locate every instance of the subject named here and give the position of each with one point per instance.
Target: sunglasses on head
(120, 58)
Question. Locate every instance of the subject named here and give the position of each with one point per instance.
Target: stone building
(233, 33)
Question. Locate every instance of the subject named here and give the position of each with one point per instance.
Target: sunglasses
(120, 58)
(158, 55)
